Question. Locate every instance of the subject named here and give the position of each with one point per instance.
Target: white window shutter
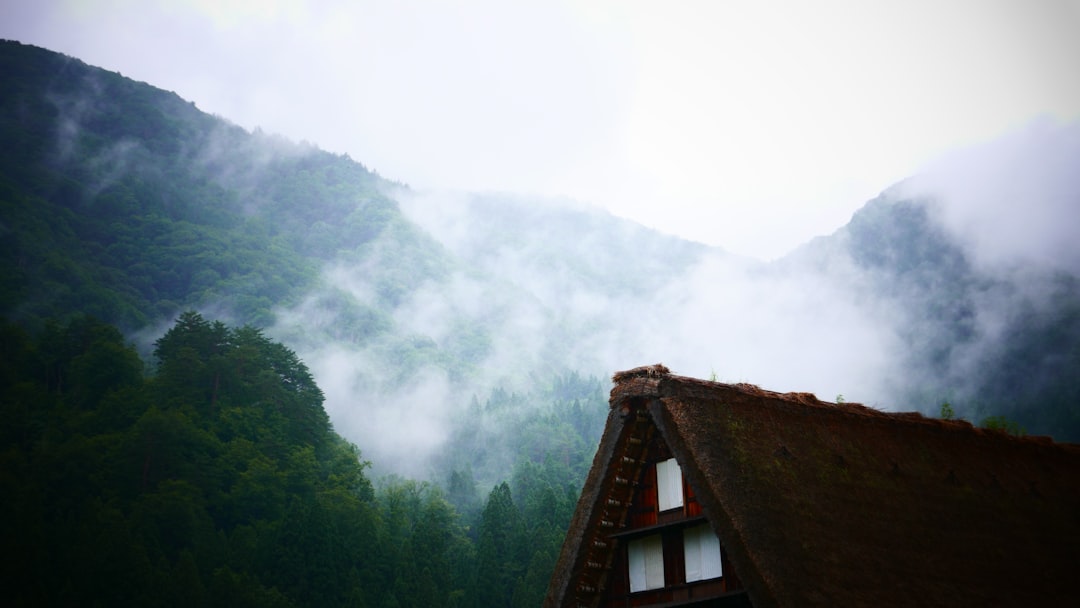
(637, 566)
(646, 561)
(692, 554)
(654, 562)
(711, 565)
(669, 484)
(702, 554)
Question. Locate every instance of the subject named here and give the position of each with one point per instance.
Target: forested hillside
(994, 344)
(241, 370)
(124, 202)
(219, 481)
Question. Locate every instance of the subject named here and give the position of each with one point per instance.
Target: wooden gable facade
(665, 552)
(709, 494)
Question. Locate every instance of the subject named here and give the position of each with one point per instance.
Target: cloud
(399, 431)
(1013, 201)
(754, 127)
(613, 300)
(749, 126)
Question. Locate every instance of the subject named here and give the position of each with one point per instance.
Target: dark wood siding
(643, 509)
(644, 518)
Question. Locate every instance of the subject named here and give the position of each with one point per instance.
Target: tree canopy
(219, 480)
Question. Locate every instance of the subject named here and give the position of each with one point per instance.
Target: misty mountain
(416, 311)
(127, 202)
(991, 340)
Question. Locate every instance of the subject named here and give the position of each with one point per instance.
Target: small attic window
(669, 487)
(645, 557)
(701, 549)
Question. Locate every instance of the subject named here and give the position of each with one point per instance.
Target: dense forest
(218, 480)
(201, 467)
(236, 369)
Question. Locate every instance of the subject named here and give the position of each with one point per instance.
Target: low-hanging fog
(506, 291)
(918, 300)
(538, 287)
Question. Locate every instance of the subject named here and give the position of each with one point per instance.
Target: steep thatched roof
(842, 505)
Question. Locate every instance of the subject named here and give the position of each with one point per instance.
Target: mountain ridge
(128, 203)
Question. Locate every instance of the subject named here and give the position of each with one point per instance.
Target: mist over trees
(389, 397)
(220, 481)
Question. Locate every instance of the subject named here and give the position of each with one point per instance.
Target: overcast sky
(749, 125)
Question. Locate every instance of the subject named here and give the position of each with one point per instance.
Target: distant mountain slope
(584, 247)
(123, 201)
(126, 202)
(991, 340)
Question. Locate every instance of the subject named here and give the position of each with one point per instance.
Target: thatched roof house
(728, 495)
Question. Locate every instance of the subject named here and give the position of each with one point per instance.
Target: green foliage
(499, 549)
(125, 202)
(946, 412)
(550, 447)
(184, 488)
(219, 481)
(1001, 423)
(427, 558)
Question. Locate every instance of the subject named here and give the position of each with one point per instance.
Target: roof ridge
(658, 376)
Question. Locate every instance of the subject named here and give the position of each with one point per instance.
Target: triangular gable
(664, 549)
(638, 507)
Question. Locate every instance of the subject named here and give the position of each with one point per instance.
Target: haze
(746, 125)
(747, 128)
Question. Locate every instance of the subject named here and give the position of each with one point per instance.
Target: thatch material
(823, 504)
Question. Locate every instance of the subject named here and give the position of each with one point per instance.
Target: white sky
(750, 125)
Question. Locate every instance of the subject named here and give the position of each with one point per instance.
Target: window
(702, 552)
(669, 484)
(646, 559)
